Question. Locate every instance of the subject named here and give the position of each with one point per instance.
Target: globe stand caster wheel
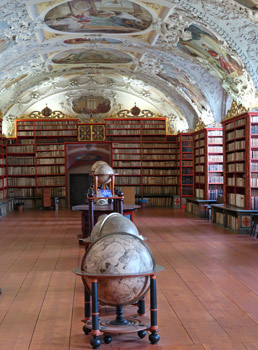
(141, 334)
(107, 339)
(154, 338)
(95, 342)
(86, 330)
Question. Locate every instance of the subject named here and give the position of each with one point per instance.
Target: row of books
(47, 122)
(220, 218)
(50, 161)
(123, 132)
(153, 132)
(159, 180)
(215, 167)
(50, 154)
(186, 171)
(127, 180)
(199, 193)
(235, 134)
(238, 167)
(216, 140)
(236, 199)
(254, 166)
(50, 147)
(159, 201)
(198, 151)
(153, 151)
(237, 123)
(2, 161)
(236, 156)
(51, 181)
(187, 191)
(28, 170)
(254, 202)
(199, 160)
(199, 168)
(216, 179)
(118, 156)
(20, 148)
(57, 133)
(254, 142)
(235, 145)
(160, 172)
(2, 171)
(213, 194)
(199, 143)
(215, 133)
(124, 150)
(129, 171)
(3, 194)
(236, 181)
(232, 222)
(51, 169)
(215, 158)
(254, 180)
(21, 160)
(154, 190)
(215, 149)
(254, 129)
(199, 136)
(199, 179)
(3, 183)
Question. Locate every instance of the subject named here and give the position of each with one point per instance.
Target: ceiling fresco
(97, 16)
(252, 4)
(79, 56)
(183, 59)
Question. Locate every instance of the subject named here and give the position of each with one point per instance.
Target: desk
(196, 206)
(128, 209)
(236, 219)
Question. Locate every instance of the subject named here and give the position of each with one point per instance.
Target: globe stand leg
(141, 307)
(154, 336)
(119, 321)
(86, 304)
(95, 340)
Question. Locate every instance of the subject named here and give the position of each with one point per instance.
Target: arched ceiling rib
(186, 59)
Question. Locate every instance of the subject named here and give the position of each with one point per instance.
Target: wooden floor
(207, 295)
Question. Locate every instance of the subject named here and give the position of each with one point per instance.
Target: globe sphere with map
(113, 222)
(104, 172)
(114, 255)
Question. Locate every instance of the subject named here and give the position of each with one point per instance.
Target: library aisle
(207, 294)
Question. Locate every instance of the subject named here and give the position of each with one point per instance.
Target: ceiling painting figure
(207, 47)
(103, 56)
(98, 16)
(252, 4)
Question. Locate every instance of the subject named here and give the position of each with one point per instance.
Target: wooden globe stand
(111, 184)
(107, 325)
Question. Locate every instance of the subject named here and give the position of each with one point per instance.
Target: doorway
(79, 186)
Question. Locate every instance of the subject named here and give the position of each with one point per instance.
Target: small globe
(104, 172)
(118, 254)
(96, 164)
(112, 223)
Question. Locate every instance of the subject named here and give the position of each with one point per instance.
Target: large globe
(104, 172)
(118, 254)
(96, 164)
(111, 223)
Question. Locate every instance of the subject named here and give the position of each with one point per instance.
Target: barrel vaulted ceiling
(184, 59)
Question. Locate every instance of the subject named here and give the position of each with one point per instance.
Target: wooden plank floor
(207, 295)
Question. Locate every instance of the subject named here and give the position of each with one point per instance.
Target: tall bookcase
(241, 161)
(185, 167)
(3, 179)
(36, 159)
(143, 158)
(208, 163)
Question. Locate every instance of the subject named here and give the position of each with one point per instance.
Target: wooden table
(128, 209)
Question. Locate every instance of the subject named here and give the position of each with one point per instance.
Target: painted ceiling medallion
(91, 105)
(79, 41)
(98, 16)
(80, 56)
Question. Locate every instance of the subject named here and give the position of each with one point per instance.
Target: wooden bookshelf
(241, 161)
(3, 174)
(36, 160)
(185, 167)
(149, 167)
(137, 129)
(208, 163)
